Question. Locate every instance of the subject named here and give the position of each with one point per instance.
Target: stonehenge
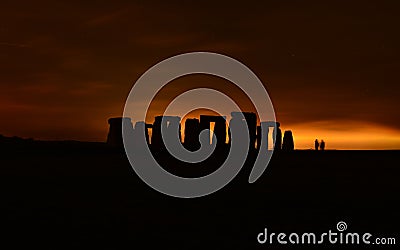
(259, 136)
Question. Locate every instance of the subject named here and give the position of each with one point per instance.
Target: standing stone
(192, 133)
(277, 136)
(288, 142)
(114, 137)
(219, 128)
(251, 120)
(172, 125)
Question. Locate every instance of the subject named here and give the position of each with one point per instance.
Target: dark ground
(86, 195)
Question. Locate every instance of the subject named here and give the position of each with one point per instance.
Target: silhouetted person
(322, 145)
(288, 142)
(316, 143)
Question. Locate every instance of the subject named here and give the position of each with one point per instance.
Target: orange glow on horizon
(338, 135)
(349, 135)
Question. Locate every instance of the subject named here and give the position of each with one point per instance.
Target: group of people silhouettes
(319, 145)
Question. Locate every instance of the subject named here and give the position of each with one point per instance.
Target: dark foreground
(85, 195)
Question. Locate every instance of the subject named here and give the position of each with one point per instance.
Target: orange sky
(330, 67)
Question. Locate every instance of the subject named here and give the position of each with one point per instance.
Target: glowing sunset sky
(331, 67)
